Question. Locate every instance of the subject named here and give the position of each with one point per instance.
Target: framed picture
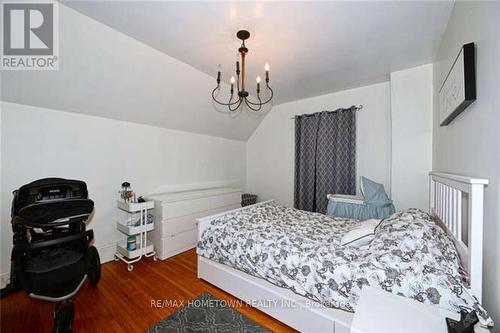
(459, 88)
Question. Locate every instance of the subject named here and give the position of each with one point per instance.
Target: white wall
(411, 113)
(270, 150)
(37, 143)
(470, 144)
(2, 229)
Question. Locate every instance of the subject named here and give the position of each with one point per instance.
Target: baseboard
(106, 253)
(4, 280)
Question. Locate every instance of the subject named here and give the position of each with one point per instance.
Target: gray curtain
(325, 157)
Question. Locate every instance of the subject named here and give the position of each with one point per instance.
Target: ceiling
(155, 62)
(312, 47)
(105, 73)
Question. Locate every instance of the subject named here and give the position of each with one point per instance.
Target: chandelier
(243, 96)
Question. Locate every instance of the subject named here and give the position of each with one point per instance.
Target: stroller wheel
(63, 317)
(94, 273)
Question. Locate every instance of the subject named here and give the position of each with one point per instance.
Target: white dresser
(176, 213)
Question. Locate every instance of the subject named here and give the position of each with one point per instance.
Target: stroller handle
(55, 223)
(89, 234)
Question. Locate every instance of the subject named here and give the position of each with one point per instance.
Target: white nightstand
(379, 311)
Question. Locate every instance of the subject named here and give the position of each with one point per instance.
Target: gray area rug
(206, 314)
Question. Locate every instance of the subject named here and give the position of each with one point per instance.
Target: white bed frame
(446, 203)
(457, 203)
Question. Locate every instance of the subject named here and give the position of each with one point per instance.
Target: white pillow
(362, 234)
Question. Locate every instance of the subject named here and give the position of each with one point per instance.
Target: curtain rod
(359, 107)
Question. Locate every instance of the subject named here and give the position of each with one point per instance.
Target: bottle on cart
(131, 243)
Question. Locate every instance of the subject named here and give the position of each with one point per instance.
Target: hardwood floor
(122, 300)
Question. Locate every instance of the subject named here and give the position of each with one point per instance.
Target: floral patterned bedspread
(410, 256)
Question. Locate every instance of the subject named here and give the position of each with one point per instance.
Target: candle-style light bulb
(258, 79)
(266, 67)
(232, 85)
(258, 84)
(218, 74)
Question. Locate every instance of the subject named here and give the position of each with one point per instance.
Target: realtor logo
(30, 36)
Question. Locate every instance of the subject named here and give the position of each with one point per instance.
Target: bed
(289, 263)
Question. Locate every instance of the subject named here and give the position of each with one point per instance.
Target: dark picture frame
(458, 90)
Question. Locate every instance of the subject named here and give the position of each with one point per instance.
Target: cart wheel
(155, 258)
(130, 268)
(63, 317)
(94, 273)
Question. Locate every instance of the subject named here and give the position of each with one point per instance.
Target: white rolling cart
(133, 222)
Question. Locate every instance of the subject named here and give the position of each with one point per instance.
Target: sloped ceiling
(163, 75)
(313, 47)
(105, 73)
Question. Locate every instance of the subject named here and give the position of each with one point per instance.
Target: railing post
(475, 221)
(432, 190)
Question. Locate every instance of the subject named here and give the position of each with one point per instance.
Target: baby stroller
(52, 254)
